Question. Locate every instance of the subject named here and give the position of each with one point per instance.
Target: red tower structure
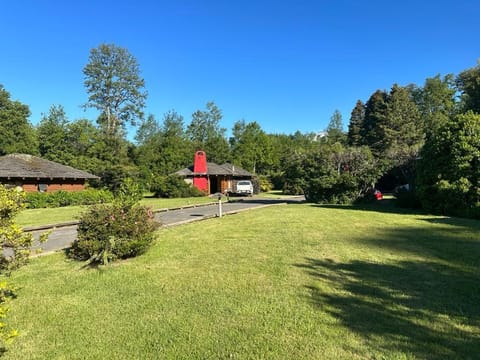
(200, 177)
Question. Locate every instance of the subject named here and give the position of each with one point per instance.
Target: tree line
(423, 137)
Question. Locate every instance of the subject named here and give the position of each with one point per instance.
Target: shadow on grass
(429, 308)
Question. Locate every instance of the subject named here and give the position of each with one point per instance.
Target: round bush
(108, 232)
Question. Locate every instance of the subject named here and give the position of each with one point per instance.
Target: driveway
(62, 236)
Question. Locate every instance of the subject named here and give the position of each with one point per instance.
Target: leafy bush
(64, 198)
(332, 174)
(448, 169)
(173, 186)
(108, 232)
(265, 183)
(119, 230)
(16, 242)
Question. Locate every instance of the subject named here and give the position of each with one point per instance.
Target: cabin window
(42, 187)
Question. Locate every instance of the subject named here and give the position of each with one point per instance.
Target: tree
(16, 133)
(207, 135)
(52, 134)
(403, 132)
(356, 123)
(436, 102)
(375, 112)
(163, 148)
(468, 82)
(335, 128)
(448, 180)
(333, 173)
(115, 88)
(250, 147)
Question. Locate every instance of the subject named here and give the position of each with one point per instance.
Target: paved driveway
(62, 237)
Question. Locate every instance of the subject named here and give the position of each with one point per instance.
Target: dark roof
(29, 166)
(236, 170)
(215, 169)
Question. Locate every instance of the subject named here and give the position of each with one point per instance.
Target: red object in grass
(200, 177)
(378, 195)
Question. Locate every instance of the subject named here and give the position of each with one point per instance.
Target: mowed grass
(36, 217)
(284, 282)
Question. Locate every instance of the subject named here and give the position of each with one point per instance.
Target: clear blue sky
(287, 64)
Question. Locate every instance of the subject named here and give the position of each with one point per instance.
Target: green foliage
(332, 174)
(16, 133)
(173, 186)
(128, 194)
(251, 148)
(335, 128)
(163, 148)
(113, 176)
(53, 136)
(375, 113)
(356, 123)
(468, 82)
(448, 179)
(16, 249)
(109, 232)
(436, 102)
(115, 88)
(114, 231)
(206, 134)
(265, 183)
(38, 200)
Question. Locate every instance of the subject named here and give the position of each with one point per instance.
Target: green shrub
(118, 230)
(64, 198)
(265, 183)
(15, 245)
(173, 186)
(107, 232)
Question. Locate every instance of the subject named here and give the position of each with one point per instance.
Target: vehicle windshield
(244, 183)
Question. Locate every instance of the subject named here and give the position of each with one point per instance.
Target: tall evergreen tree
(403, 131)
(356, 124)
(372, 129)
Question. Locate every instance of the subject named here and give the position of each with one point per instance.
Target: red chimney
(200, 177)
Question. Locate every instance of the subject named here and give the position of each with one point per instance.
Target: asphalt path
(62, 235)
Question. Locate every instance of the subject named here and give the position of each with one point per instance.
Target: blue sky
(286, 64)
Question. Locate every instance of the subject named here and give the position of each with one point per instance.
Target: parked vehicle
(242, 187)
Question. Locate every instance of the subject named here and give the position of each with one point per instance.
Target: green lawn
(35, 217)
(285, 282)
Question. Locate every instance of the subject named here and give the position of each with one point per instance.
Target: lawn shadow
(429, 308)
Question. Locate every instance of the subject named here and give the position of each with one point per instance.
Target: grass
(35, 217)
(285, 282)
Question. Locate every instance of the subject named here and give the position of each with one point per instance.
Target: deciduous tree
(52, 134)
(448, 178)
(206, 133)
(251, 148)
(115, 87)
(17, 135)
(468, 82)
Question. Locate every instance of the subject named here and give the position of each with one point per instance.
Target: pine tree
(356, 123)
